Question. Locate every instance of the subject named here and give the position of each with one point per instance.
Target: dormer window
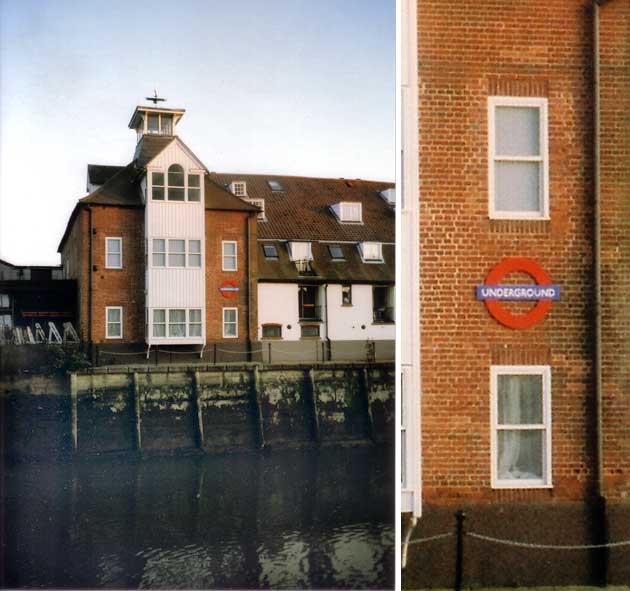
(270, 251)
(371, 252)
(348, 212)
(336, 252)
(300, 251)
(239, 188)
(261, 204)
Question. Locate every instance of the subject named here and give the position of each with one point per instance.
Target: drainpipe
(597, 256)
(328, 349)
(248, 286)
(90, 279)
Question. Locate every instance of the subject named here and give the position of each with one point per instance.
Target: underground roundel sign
(229, 289)
(493, 292)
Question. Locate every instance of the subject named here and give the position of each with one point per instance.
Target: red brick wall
(615, 225)
(74, 257)
(119, 287)
(469, 50)
(229, 225)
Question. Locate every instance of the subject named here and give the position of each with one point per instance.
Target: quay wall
(206, 408)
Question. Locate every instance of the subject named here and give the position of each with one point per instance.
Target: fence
(459, 535)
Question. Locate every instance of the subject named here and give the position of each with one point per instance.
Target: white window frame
(107, 323)
(260, 216)
(343, 210)
(107, 252)
(225, 336)
(162, 186)
(225, 256)
(238, 192)
(362, 246)
(513, 101)
(190, 323)
(309, 253)
(187, 253)
(164, 324)
(545, 372)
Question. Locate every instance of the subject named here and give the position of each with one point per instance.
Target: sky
(269, 86)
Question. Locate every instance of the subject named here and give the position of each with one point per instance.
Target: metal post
(215, 353)
(311, 381)
(197, 394)
(460, 516)
(366, 391)
(269, 360)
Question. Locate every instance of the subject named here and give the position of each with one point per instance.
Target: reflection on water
(293, 519)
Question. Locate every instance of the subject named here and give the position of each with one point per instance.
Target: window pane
(159, 260)
(157, 193)
(113, 329)
(194, 260)
(175, 176)
(270, 251)
(177, 315)
(176, 194)
(520, 399)
(177, 330)
(194, 315)
(272, 331)
(158, 178)
(310, 330)
(229, 248)
(159, 316)
(517, 131)
(194, 195)
(153, 123)
(159, 245)
(194, 246)
(177, 246)
(194, 330)
(113, 315)
(159, 330)
(520, 454)
(193, 180)
(176, 260)
(167, 121)
(113, 245)
(517, 186)
(113, 260)
(335, 251)
(229, 315)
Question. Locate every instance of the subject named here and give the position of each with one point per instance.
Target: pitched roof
(98, 174)
(149, 147)
(122, 188)
(303, 210)
(352, 269)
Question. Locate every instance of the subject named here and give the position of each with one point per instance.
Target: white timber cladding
(180, 287)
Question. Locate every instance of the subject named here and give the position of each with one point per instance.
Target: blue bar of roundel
(518, 292)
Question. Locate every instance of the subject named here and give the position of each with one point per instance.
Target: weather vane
(155, 98)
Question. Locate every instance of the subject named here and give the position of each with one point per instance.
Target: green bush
(63, 359)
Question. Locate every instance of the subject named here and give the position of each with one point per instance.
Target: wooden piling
(313, 401)
(137, 411)
(258, 399)
(366, 391)
(74, 410)
(197, 394)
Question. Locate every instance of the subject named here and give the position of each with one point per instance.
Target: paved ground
(569, 588)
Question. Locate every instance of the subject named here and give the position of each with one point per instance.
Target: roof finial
(155, 98)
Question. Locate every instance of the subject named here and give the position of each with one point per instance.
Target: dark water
(293, 519)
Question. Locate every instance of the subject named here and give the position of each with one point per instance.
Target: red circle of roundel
(495, 307)
(229, 289)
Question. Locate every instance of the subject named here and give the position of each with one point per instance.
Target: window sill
(310, 338)
(513, 485)
(519, 218)
(387, 322)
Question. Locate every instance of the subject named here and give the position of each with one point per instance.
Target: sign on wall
(493, 292)
(229, 289)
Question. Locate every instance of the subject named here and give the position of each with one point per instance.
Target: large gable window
(157, 186)
(175, 183)
(194, 189)
(518, 176)
(300, 251)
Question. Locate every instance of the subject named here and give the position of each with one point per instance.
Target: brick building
(228, 266)
(523, 152)
(149, 245)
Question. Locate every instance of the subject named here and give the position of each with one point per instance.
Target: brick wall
(220, 226)
(470, 50)
(119, 287)
(615, 255)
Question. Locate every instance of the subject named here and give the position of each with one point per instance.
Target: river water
(286, 519)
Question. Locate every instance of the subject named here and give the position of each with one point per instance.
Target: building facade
(230, 267)
(523, 160)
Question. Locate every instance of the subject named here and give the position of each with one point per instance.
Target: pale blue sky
(300, 87)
